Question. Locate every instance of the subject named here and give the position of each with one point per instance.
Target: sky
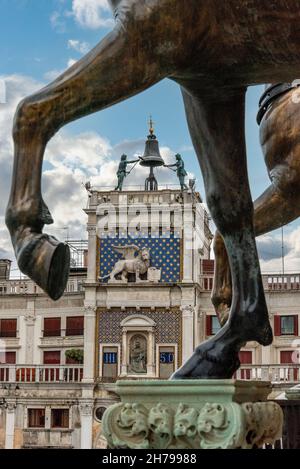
(39, 39)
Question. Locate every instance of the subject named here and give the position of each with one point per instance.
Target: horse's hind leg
(116, 69)
(220, 145)
(277, 206)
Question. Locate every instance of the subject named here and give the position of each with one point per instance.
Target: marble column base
(192, 414)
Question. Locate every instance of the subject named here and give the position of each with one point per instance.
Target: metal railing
(41, 373)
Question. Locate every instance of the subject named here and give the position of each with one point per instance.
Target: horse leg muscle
(280, 202)
(117, 68)
(220, 145)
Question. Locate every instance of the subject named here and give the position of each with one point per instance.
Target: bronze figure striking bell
(152, 157)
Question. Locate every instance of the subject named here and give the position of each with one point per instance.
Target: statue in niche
(213, 50)
(138, 355)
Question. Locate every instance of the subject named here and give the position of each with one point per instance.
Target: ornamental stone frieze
(192, 415)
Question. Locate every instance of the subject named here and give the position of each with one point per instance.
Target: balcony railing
(274, 373)
(270, 282)
(41, 373)
(277, 374)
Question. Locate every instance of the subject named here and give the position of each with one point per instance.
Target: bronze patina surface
(280, 203)
(214, 50)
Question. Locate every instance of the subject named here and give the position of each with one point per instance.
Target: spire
(151, 129)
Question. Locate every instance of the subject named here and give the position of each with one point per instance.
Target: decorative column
(151, 355)
(10, 424)
(89, 343)
(86, 413)
(124, 353)
(92, 256)
(188, 243)
(187, 331)
(30, 319)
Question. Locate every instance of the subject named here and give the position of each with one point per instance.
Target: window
(36, 418)
(52, 358)
(75, 325)
(59, 418)
(110, 363)
(286, 325)
(9, 358)
(245, 357)
(8, 328)
(166, 361)
(215, 325)
(212, 325)
(52, 327)
(6, 358)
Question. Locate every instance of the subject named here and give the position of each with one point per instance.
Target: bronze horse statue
(279, 119)
(214, 50)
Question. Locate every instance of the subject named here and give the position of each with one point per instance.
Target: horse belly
(254, 41)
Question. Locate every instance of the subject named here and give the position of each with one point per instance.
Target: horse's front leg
(119, 67)
(216, 123)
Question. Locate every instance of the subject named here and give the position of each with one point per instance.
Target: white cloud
(71, 62)
(70, 161)
(52, 74)
(81, 47)
(270, 250)
(58, 22)
(91, 14)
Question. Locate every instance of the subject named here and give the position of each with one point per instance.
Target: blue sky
(39, 38)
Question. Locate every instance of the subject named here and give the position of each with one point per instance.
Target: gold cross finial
(151, 126)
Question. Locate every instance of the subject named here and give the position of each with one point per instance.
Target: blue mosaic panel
(165, 255)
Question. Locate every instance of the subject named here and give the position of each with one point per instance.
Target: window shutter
(8, 327)
(10, 358)
(52, 326)
(75, 325)
(208, 325)
(52, 358)
(277, 325)
(296, 329)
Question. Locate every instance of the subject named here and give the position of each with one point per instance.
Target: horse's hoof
(46, 261)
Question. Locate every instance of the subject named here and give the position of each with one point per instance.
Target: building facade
(136, 305)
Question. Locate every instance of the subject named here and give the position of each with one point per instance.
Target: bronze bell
(152, 157)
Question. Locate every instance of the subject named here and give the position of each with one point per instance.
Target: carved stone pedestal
(192, 414)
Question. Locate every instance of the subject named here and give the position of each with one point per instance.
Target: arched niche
(138, 346)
